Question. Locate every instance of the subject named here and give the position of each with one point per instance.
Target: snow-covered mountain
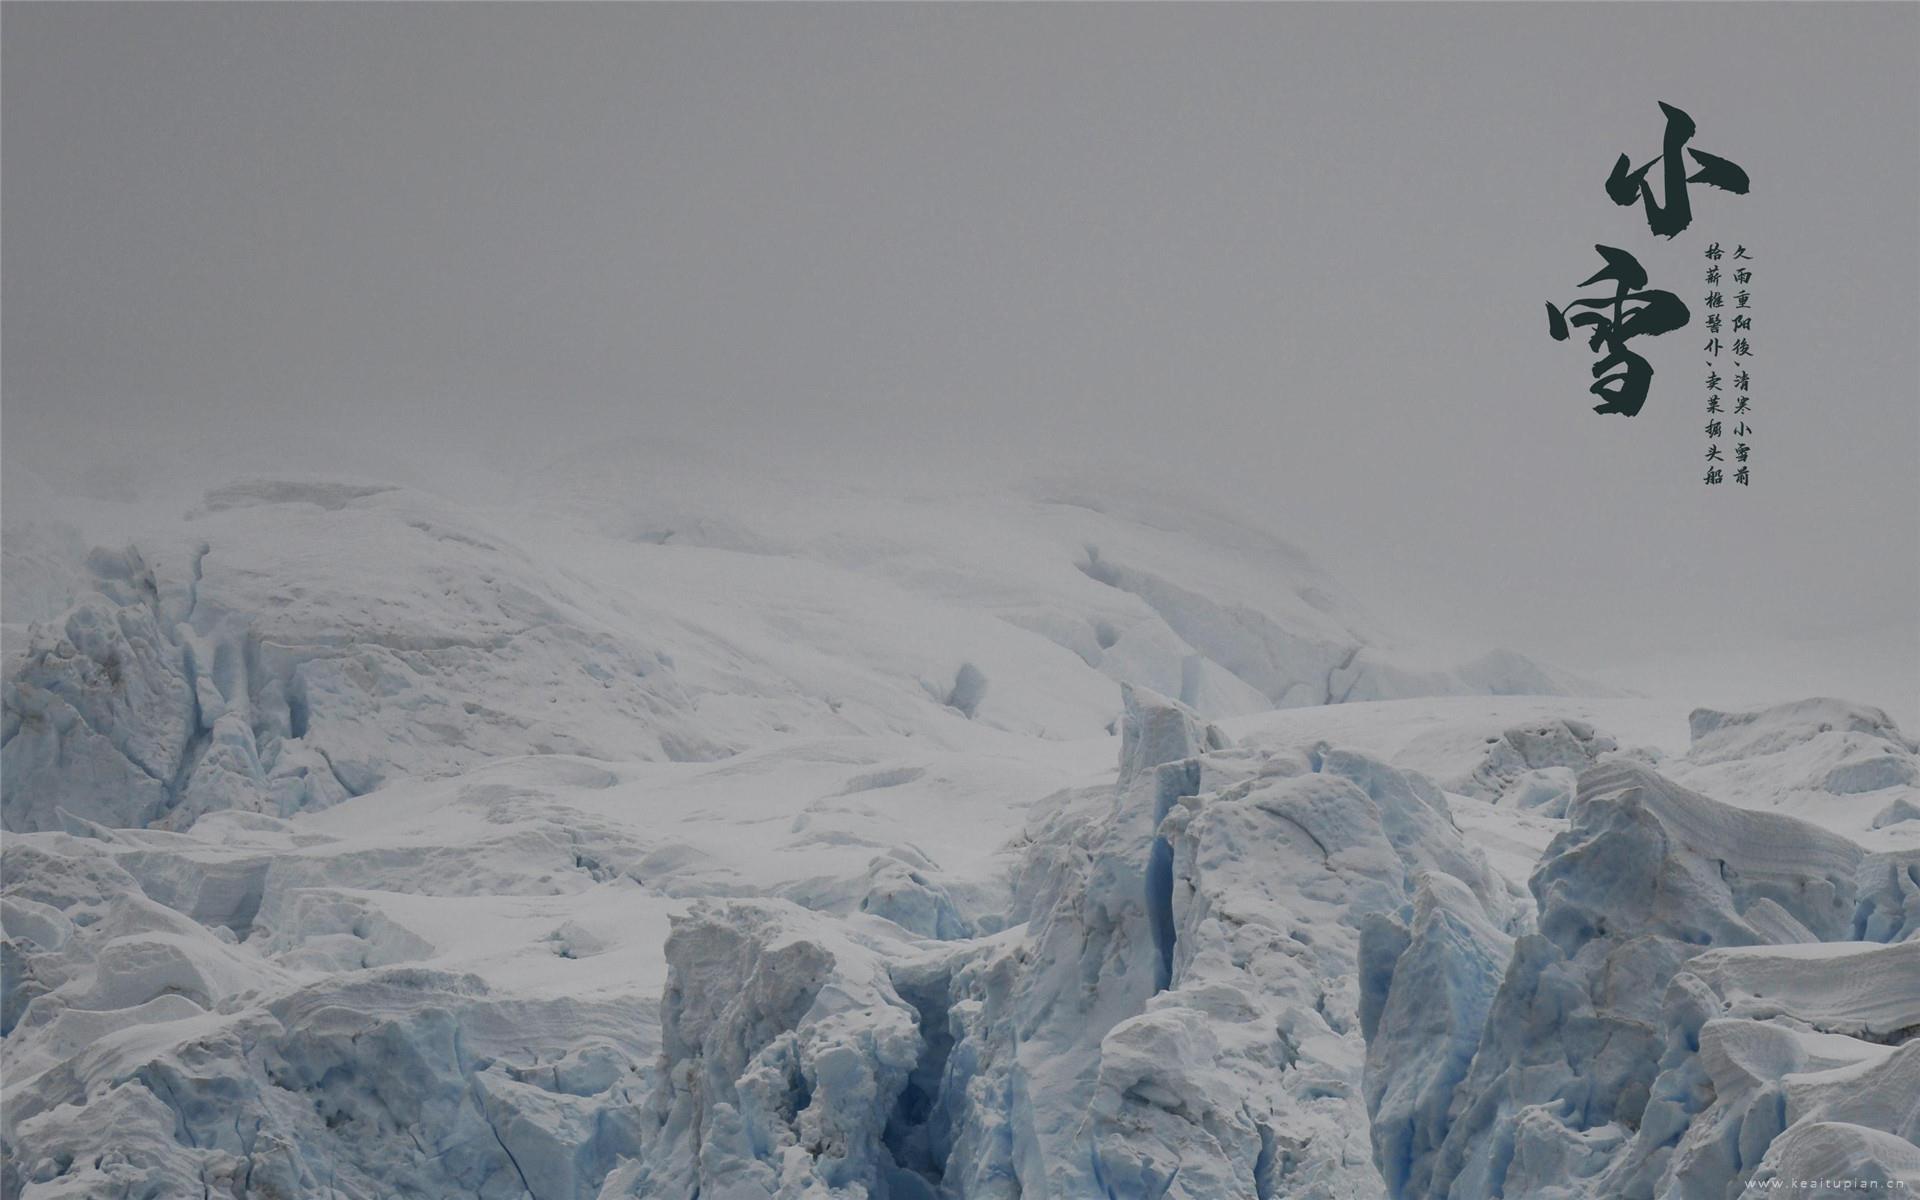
(641, 831)
(291, 642)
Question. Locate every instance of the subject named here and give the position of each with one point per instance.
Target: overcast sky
(1294, 255)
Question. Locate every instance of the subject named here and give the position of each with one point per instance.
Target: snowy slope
(637, 835)
(291, 642)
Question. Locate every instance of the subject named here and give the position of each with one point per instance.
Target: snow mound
(1722, 735)
(1845, 764)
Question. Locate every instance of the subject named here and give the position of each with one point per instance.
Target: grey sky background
(1295, 256)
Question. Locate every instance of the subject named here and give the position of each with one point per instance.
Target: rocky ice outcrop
(1700, 981)
(1240, 1077)
(784, 1048)
(1778, 1055)
(1533, 762)
(1832, 1155)
(298, 643)
(1425, 990)
(101, 710)
(150, 1053)
(1173, 1013)
(1264, 970)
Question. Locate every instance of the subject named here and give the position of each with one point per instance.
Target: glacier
(1698, 974)
(641, 837)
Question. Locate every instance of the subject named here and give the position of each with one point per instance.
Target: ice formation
(1173, 1015)
(1713, 994)
(640, 841)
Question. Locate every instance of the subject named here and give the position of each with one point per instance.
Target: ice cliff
(1054, 845)
(1714, 996)
(1175, 1015)
(150, 1054)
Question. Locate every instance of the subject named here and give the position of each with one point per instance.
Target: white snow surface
(639, 835)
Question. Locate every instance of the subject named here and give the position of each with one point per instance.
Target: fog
(1293, 258)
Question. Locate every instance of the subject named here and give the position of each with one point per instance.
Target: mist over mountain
(947, 602)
